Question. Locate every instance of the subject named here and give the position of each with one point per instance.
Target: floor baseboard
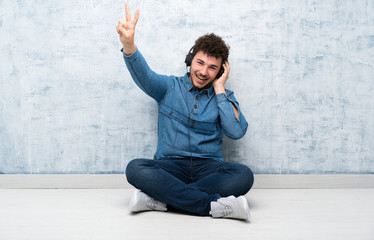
(118, 181)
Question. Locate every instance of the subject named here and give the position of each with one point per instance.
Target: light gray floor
(102, 214)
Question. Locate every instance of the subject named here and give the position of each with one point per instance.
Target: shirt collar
(190, 87)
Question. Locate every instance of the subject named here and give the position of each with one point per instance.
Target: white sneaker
(230, 207)
(142, 202)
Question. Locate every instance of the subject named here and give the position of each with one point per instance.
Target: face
(204, 70)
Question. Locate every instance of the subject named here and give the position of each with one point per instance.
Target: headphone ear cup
(220, 72)
(188, 59)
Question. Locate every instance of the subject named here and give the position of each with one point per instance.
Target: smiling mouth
(201, 79)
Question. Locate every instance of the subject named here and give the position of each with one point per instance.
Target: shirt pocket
(205, 137)
(174, 129)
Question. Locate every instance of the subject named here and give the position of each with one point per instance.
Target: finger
(119, 30)
(121, 23)
(136, 17)
(128, 15)
(226, 66)
(119, 26)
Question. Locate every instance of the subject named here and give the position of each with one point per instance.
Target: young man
(188, 171)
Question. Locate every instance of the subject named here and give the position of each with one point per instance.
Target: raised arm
(153, 84)
(126, 31)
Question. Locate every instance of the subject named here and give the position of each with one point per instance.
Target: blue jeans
(189, 184)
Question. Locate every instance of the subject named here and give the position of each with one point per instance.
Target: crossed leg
(189, 185)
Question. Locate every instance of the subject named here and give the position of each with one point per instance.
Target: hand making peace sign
(126, 31)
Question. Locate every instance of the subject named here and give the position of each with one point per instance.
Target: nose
(204, 71)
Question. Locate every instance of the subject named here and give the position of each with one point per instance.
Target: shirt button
(197, 97)
(195, 106)
(170, 113)
(192, 124)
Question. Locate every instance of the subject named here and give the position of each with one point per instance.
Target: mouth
(202, 80)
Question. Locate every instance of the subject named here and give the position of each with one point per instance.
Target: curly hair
(213, 46)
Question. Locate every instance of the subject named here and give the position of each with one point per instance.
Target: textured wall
(302, 71)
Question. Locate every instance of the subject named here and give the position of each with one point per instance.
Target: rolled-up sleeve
(232, 127)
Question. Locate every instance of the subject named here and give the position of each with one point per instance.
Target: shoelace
(226, 210)
(152, 204)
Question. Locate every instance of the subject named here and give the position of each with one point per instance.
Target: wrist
(129, 49)
(219, 89)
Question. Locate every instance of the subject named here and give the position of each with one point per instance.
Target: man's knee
(131, 166)
(249, 177)
(245, 178)
(134, 169)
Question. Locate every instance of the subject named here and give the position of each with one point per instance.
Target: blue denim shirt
(191, 123)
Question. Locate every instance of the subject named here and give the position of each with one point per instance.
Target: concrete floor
(70, 214)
